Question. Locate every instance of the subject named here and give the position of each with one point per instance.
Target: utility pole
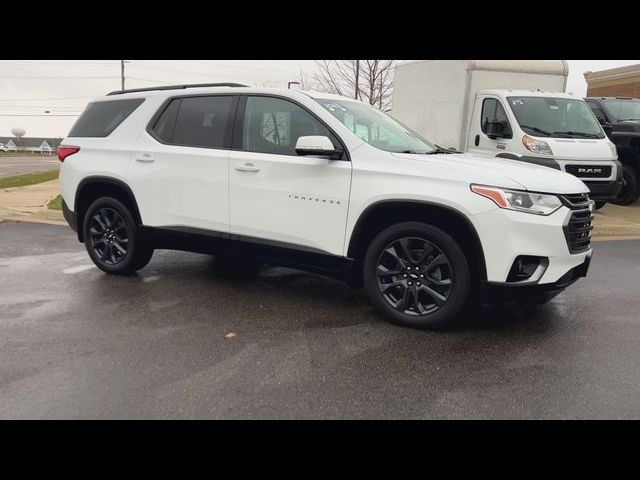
(122, 73)
(357, 78)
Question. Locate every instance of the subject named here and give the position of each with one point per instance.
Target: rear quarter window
(99, 119)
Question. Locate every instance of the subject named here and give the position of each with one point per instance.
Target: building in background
(32, 144)
(614, 82)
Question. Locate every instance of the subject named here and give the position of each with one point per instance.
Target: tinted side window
(99, 119)
(202, 121)
(165, 125)
(273, 125)
(596, 111)
(492, 109)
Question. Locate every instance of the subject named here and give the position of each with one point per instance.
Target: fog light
(524, 266)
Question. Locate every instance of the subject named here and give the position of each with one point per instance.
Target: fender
(99, 179)
(369, 210)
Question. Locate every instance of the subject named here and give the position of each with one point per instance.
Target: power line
(38, 115)
(49, 77)
(38, 99)
(149, 80)
(244, 67)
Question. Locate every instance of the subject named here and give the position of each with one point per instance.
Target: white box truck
(514, 109)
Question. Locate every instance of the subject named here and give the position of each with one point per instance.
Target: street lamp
(292, 83)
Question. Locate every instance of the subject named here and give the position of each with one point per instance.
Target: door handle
(477, 140)
(248, 167)
(146, 158)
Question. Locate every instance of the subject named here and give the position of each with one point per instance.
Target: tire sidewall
(134, 245)
(460, 293)
(632, 189)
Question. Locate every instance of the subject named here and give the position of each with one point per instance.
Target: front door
(486, 109)
(277, 195)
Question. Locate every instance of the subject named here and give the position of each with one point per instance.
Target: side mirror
(496, 129)
(317, 145)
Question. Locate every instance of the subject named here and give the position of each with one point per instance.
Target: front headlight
(536, 146)
(614, 150)
(536, 203)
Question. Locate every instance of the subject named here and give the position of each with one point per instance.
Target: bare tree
(368, 80)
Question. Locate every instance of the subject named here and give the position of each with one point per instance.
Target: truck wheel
(630, 186)
(599, 204)
(417, 276)
(112, 238)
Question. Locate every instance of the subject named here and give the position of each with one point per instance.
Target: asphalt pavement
(191, 337)
(21, 165)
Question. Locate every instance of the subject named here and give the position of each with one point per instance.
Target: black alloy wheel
(414, 276)
(114, 240)
(108, 236)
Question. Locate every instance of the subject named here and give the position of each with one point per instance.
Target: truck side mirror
(496, 129)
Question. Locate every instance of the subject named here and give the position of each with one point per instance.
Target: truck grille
(578, 230)
(589, 171)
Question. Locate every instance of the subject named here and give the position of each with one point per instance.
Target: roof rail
(176, 87)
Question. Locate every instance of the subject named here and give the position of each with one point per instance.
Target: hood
(500, 172)
(583, 149)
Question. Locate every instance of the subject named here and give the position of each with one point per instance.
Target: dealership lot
(75, 343)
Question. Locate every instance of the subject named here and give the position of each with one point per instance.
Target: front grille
(578, 230)
(589, 171)
(577, 201)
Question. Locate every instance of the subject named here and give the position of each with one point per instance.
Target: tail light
(65, 150)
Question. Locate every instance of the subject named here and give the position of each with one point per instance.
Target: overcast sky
(63, 87)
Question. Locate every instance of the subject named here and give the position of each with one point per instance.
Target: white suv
(319, 182)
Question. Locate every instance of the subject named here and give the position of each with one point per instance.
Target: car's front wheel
(417, 275)
(630, 186)
(112, 238)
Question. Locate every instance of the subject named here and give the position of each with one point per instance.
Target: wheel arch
(94, 187)
(384, 213)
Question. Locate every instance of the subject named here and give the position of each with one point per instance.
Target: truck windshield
(623, 109)
(555, 117)
(376, 127)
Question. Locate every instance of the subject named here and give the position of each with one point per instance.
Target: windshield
(623, 109)
(376, 127)
(555, 117)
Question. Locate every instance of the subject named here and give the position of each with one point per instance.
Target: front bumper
(604, 191)
(501, 292)
(505, 235)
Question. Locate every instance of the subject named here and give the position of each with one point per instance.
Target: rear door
(180, 167)
(277, 195)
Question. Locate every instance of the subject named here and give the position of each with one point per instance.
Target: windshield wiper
(440, 149)
(536, 129)
(625, 119)
(578, 134)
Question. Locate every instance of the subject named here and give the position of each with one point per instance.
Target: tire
(442, 268)
(599, 204)
(631, 186)
(109, 228)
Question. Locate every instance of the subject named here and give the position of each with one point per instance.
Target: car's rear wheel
(112, 238)
(416, 275)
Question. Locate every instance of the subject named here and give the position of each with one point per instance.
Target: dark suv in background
(620, 119)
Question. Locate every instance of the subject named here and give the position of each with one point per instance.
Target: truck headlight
(536, 146)
(536, 203)
(614, 151)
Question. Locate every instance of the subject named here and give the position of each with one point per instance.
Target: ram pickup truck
(620, 119)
